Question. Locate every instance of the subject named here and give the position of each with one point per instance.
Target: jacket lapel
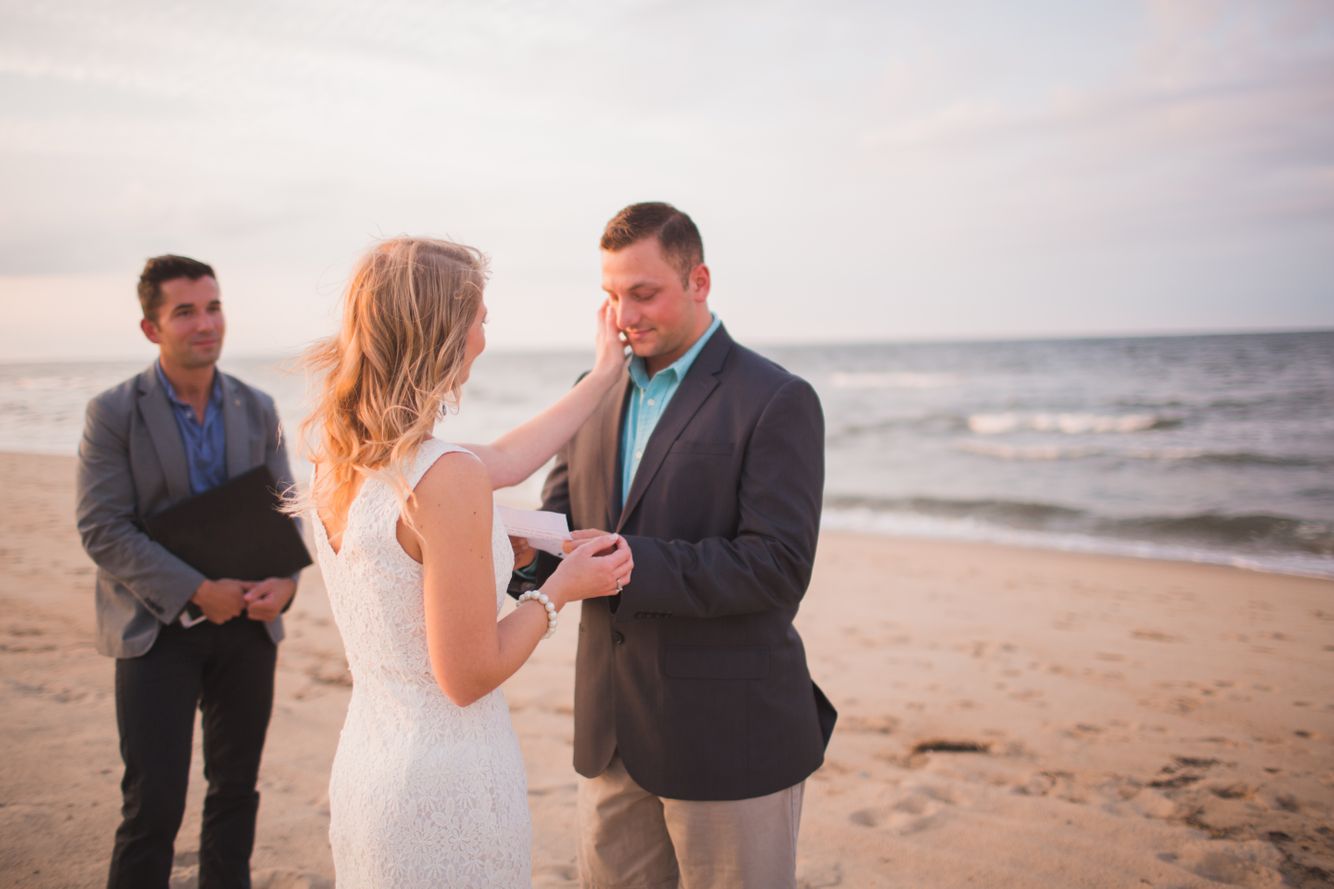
(693, 392)
(609, 449)
(236, 430)
(164, 433)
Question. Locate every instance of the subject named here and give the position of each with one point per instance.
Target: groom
(696, 720)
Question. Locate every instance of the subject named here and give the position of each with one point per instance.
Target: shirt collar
(678, 368)
(214, 398)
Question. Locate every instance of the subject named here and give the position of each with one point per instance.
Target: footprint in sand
(1182, 772)
(1155, 636)
(870, 725)
(326, 674)
(1232, 791)
(1252, 864)
(868, 817)
(920, 810)
(8, 648)
(1287, 803)
(1052, 782)
(827, 879)
(1183, 705)
(1083, 730)
(922, 752)
(948, 746)
(20, 630)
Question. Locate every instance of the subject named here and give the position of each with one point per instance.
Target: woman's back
(423, 792)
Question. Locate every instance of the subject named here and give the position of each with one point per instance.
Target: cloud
(867, 148)
(1214, 127)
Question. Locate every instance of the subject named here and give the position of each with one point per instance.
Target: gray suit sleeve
(275, 458)
(767, 564)
(106, 520)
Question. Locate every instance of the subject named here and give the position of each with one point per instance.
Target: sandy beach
(1008, 718)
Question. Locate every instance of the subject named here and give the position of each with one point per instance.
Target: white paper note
(543, 530)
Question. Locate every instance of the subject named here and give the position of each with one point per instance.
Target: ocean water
(1208, 448)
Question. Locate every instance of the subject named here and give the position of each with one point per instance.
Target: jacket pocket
(716, 661)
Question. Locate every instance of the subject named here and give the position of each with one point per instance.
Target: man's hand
(220, 600)
(265, 599)
(579, 537)
(523, 552)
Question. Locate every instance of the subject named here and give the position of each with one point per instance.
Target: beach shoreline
(1009, 717)
(867, 527)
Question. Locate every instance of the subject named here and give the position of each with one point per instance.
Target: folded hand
(220, 600)
(265, 599)
(596, 564)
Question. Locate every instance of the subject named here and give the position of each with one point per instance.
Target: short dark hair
(675, 231)
(161, 269)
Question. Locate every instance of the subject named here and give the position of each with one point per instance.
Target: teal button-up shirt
(648, 399)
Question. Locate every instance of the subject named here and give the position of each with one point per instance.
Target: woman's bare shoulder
(456, 484)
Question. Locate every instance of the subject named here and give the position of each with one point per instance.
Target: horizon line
(925, 339)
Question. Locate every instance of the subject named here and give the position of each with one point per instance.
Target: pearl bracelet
(545, 601)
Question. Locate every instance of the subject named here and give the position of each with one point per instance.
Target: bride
(428, 786)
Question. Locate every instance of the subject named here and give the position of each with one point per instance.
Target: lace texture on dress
(423, 793)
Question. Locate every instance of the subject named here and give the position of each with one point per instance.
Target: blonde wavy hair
(395, 365)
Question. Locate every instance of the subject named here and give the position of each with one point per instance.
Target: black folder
(234, 530)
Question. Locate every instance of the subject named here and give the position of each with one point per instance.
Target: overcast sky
(872, 170)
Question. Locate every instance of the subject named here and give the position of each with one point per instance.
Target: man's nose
(626, 316)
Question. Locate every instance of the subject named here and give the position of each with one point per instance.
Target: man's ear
(700, 281)
(150, 330)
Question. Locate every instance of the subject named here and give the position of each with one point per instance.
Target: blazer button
(618, 637)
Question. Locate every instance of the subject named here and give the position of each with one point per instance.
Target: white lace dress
(423, 793)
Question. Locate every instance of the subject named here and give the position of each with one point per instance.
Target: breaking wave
(1044, 452)
(1252, 532)
(1069, 423)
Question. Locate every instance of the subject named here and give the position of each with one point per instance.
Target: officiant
(181, 640)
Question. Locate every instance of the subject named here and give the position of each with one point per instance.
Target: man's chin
(201, 359)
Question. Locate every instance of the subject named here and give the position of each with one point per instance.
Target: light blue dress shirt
(205, 444)
(648, 399)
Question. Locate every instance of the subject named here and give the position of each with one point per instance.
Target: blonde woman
(428, 785)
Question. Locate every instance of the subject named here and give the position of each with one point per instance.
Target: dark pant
(227, 672)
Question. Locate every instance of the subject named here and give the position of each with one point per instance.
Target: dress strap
(430, 451)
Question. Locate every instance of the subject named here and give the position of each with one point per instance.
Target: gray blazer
(132, 464)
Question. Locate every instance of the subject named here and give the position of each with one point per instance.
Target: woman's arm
(520, 452)
(471, 652)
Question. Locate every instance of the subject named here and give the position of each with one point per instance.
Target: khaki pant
(631, 839)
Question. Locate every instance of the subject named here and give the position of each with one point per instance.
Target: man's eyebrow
(648, 284)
